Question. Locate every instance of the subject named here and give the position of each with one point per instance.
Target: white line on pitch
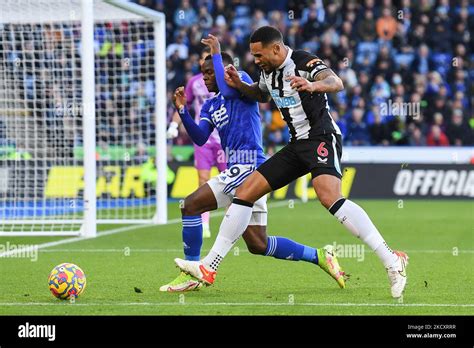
(110, 232)
(240, 304)
(448, 251)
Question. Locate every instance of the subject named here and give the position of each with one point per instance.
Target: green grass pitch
(438, 237)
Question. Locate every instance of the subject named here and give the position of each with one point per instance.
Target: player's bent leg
(327, 188)
(254, 187)
(233, 225)
(356, 220)
(256, 238)
(204, 175)
(286, 249)
(201, 200)
(239, 214)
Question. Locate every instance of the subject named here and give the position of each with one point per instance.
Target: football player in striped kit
(297, 81)
(237, 120)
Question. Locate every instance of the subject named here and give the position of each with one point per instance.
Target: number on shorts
(233, 172)
(322, 151)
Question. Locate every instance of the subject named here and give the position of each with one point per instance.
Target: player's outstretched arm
(213, 43)
(199, 133)
(227, 91)
(324, 82)
(251, 91)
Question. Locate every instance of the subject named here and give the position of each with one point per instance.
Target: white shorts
(224, 185)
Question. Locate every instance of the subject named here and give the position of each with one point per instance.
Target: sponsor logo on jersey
(220, 117)
(282, 102)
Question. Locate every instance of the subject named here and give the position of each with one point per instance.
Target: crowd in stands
(407, 66)
(41, 81)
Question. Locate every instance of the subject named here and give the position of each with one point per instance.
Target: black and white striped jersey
(307, 114)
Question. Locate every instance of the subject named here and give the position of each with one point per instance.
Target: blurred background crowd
(407, 66)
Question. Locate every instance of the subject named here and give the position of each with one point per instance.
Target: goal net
(82, 116)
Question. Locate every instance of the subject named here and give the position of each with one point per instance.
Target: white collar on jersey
(288, 57)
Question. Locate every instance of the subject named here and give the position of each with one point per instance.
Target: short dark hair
(226, 58)
(266, 35)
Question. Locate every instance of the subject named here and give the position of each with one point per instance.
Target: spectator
(416, 38)
(347, 75)
(178, 47)
(205, 19)
(333, 18)
(379, 132)
(439, 121)
(185, 15)
(380, 90)
(439, 105)
(425, 58)
(258, 19)
(341, 123)
(386, 25)
(384, 65)
(357, 132)
(440, 40)
(366, 27)
(312, 27)
(458, 132)
(422, 62)
(436, 137)
(416, 136)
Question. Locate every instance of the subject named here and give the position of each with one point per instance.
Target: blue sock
(192, 237)
(286, 249)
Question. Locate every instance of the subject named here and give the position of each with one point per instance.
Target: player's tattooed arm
(324, 82)
(251, 91)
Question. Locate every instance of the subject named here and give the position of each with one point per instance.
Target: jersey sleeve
(245, 77)
(308, 65)
(205, 113)
(261, 83)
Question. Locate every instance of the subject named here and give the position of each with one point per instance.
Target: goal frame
(89, 220)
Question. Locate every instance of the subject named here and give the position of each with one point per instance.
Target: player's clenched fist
(301, 84)
(179, 99)
(213, 43)
(231, 76)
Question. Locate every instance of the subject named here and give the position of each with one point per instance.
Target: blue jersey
(237, 121)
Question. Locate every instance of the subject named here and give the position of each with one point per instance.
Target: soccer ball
(66, 281)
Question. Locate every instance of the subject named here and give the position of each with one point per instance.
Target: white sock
(356, 220)
(232, 227)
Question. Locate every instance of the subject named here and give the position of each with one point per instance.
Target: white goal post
(82, 116)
